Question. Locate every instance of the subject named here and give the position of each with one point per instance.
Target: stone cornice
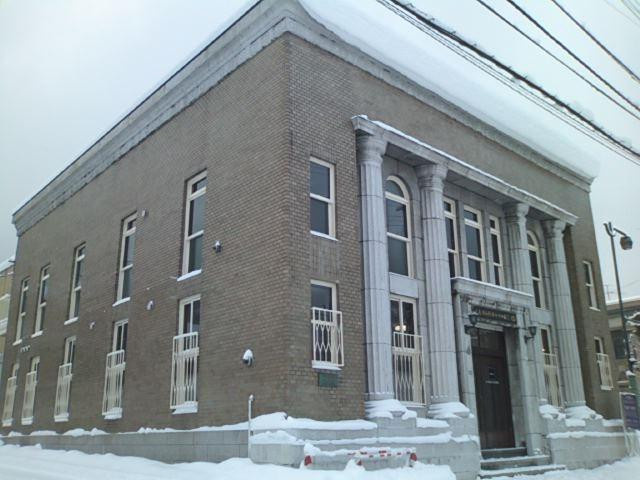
(266, 21)
(431, 154)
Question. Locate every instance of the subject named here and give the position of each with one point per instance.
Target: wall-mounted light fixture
(532, 329)
(472, 330)
(217, 247)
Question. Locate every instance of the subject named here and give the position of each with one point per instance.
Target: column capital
(553, 228)
(370, 148)
(431, 175)
(516, 211)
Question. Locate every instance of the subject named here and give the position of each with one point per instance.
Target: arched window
(536, 270)
(398, 227)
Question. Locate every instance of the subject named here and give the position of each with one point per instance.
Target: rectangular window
(475, 243)
(194, 224)
(604, 367)
(43, 293)
(120, 335)
(326, 326)
(619, 345)
(322, 198)
(496, 250)
(76, 282)
(69, 350)
(590, 285)
(31, 382)
(22, 310)
(189, 318)
(451, 224)
(127, 250)
(403, 320)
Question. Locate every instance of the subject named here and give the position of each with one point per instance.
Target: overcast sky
(69, 69)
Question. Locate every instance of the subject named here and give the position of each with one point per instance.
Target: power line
(566, 49)
(555, 57)
(598, 42)
(534, 93)
(615, 7)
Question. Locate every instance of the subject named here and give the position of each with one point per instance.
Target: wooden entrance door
(493, 396)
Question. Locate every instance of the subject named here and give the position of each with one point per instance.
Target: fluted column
(441, 332)
(563, 313)
(516, 221)
(375, 268)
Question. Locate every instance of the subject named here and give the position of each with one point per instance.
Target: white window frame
(334, 292)
(330, 201)
(599, 344)
(589, 282)
(126, 233)
(114, 342)
(78, 257)
(453, 216)
(69, 350)
(540, 280)
(406, 201)
(22, 310)
(494, 231)
(189, 300)
(473, 224)
(190, 197)
(42, 304)
(400, 299)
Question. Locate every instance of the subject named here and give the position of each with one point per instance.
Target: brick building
(286, 193)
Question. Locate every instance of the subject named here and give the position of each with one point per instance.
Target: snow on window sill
(61, 418)
(70, 321)
(595, 309)
(189, 275)
(323, 235)
(316, 365)
(121, 301)
(36, 334)
(17, 342)
(113, 414)
(191, 407)
(606, 388)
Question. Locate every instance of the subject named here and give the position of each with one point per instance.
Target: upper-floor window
(590, 285)
(604, 367)
(189, 316)
(76, 282)
(69, 351)
(127, 249)
(536, 270)
(322, 197)
(119, 341)
(496, 250)
(398, 227)
(43, 293)
(451, 225)
(22, 309)
(619, 344)
(194, 224)
(475, 243)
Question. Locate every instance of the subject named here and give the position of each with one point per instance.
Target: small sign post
(630, 422)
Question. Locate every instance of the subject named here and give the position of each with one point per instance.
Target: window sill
(605, 388)
(70, 321)
(121, 301)
(595, 309)
(316, 365)
(189, 275)
(17, 342)
(115, 414)
(186, 408)
(324, 235)
(36, 334)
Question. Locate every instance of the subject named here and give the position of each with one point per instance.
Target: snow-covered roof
(7, 263)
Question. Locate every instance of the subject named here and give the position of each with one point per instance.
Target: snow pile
(582, 413)
(279, 436)
(551, 412)
(443, 411)
(29, 463)
(390, 408)
(78, 432)
(431, 423)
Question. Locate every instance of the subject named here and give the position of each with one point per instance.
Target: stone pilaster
(375, 268)
(516, 221)
(441, 332)
(563, 313)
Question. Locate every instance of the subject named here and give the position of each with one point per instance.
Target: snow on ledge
(189, 275)
(390, 408)
(277, 437)
(121, 301)
(551, 412)
(79, 432)
(582, 412)
(442, 411)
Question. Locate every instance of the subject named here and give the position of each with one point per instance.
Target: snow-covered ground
(34, 463)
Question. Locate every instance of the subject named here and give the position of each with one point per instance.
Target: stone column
(563, 313)
(375, 268)
(441, 332)
(516, 221)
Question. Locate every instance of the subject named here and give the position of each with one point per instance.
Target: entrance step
(504, 452)
(512, 472)
(514, 462)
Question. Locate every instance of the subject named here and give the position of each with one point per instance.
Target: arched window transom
(398, 227)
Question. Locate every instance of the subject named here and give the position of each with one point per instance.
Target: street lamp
(626, 243)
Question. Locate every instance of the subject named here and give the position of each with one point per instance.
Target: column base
(446, 410)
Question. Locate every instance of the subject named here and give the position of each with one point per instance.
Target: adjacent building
(6, 279)
(620, 364)
(366, 240)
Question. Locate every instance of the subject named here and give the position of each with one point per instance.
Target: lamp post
(626, 243)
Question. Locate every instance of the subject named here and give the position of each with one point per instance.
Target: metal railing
(29, 397)
(552, 379)
(113, 384)
(9, 399)
(606, 380)
(408, 373)
(184, 370)
(63, 389)
(326, 329)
